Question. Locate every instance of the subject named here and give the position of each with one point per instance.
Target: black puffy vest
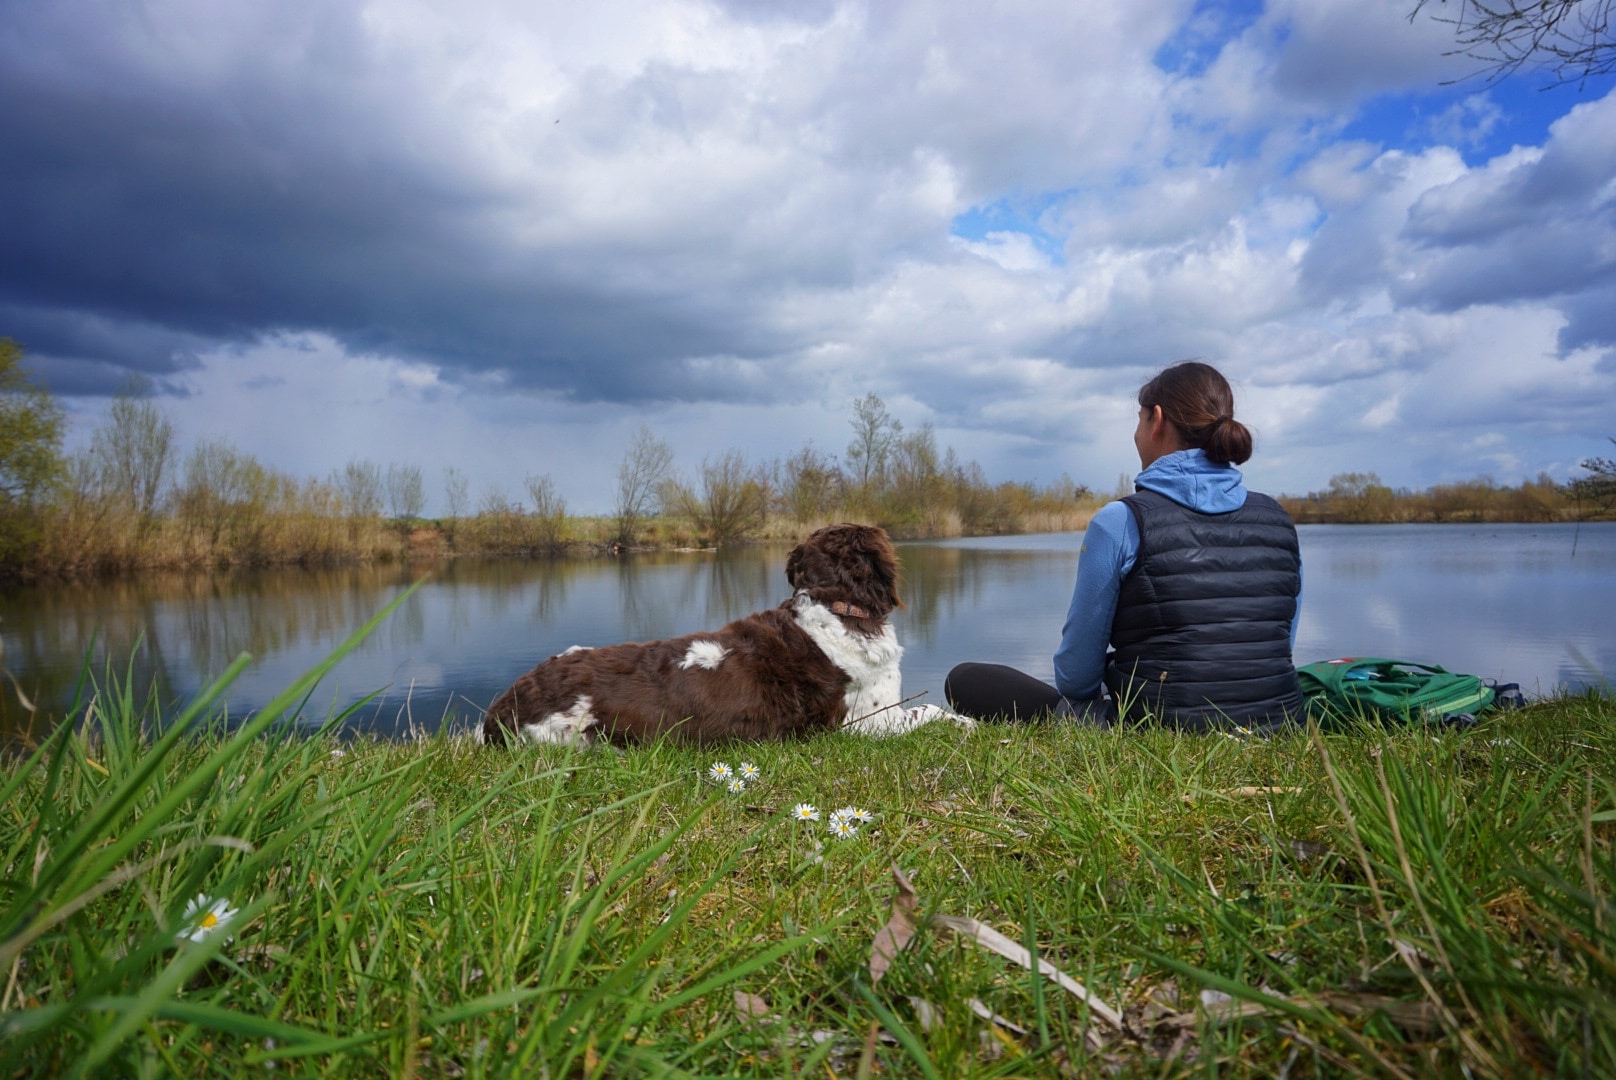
(1202, 633)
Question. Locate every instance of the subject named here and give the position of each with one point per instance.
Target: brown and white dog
(826, 659)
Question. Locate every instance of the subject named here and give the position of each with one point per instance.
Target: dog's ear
(883, 562)
(794, 566)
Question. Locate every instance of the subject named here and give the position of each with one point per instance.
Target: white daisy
(204, 917)
(805, 811)
(720, 772)
(860, 815)
(736, 785)
(748, 772)
(843, 829)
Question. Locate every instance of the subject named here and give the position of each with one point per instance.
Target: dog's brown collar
(842, 607)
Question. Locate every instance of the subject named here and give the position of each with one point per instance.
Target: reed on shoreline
(197, 898)
(265, 518)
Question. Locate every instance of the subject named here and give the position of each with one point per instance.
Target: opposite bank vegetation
(189, 898)
(131, 500)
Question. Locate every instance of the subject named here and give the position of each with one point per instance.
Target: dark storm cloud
(1590, 319)
(150, 215)
(112, 344)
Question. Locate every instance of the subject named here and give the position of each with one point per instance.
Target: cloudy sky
(500, 236)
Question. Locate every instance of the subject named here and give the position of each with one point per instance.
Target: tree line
(1362, 498)
(133, 498)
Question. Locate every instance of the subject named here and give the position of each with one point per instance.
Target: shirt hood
(1189, 478)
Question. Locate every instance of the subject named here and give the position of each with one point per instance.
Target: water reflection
(1509, 602)
(1519, 603)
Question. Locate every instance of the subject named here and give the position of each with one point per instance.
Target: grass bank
(1397, 903)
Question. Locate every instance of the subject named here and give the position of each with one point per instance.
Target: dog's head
(854, 563)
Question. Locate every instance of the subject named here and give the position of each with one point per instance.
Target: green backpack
(1367, 686)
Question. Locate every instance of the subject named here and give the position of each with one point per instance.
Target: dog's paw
(926, 714)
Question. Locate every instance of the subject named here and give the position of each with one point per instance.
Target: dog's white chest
(872, 664)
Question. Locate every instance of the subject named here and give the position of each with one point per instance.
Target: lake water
(1534, 604)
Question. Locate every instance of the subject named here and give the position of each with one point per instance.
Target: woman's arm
(1110, 547)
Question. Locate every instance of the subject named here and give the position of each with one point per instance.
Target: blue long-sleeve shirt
(1110, 548)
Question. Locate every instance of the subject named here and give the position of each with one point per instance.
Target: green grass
(1404, 903)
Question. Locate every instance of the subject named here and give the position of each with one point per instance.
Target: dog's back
(761, 677)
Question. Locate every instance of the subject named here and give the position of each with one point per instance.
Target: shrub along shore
(318, 540)
(207, 900)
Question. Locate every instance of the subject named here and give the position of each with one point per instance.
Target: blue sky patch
(1481, 121)
(1020, 214)
(1201, 37)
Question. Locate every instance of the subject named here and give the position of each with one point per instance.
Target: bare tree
(133, 451)
(361, 485)
(549, 514)
(875, 431)
(646, 464)
(810, 484)
(406, 492)
(222, 495)
(1570, 37)
(499, 521)
(733, 502)
(456, 492)
(915, 468)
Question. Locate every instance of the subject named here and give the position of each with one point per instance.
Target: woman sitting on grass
(1192, 582)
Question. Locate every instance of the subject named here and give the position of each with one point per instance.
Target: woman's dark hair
(1196, 398)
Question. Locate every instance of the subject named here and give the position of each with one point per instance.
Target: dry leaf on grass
(976, 1006)
(993, 941)
(1247, 792)
(926, 1014)
(1307, 849)
(268, 955)
(751, 1008)
(1413, 1017)
(900, 928)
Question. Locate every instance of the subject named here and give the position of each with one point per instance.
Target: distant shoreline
(427, 543)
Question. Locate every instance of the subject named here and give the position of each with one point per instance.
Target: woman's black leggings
(997, 692)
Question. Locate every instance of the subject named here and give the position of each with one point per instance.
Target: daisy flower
(860, 815)
(805, 811)
(735, 785)
(204, 917)
(748, 772)
(842, 829)
(721, 772)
